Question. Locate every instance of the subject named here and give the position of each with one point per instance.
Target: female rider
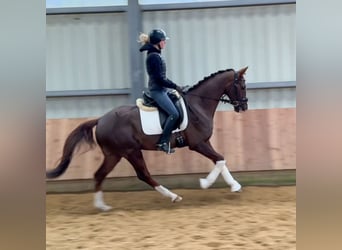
(158, 83)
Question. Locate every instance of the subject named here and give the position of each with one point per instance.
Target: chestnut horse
(119, 134)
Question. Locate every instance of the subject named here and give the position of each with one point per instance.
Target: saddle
(151, 104)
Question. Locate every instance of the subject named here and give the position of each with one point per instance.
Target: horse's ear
(242, 71)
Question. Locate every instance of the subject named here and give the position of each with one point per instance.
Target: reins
(223, 99)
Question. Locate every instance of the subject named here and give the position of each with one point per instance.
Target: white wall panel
(79, 107)
(206, 40)
(86, 51)
(89, 51)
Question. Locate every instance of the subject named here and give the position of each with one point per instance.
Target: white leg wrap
(212, 176)
(220, 167)
(99, 203)
(165, 192)
(234, 185)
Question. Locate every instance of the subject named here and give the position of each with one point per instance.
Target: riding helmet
(157, 35)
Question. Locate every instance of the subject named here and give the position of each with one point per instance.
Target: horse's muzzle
(241, 105)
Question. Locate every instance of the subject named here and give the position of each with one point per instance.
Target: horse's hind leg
(109, 162)
(137, 160)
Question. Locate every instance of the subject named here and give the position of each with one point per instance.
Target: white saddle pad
(150, 122)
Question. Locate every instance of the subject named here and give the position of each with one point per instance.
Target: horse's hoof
(236, 188)
(106, 208)
(177, 199)
(103, 208)
(204, 183)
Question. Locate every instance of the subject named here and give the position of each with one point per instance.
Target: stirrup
(165, 147)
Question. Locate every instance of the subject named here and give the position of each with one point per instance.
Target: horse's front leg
(220, 167)
(137, 160)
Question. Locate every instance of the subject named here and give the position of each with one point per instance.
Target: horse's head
(237, 91)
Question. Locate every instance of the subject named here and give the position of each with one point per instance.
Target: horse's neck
(208, 94)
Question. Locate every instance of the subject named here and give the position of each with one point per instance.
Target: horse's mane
(207, 78)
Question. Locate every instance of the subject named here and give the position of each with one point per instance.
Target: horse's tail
(83, 133)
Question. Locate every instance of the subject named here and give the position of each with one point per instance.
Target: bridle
(238, 103)
(241, 101)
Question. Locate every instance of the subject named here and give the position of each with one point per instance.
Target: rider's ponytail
(143, 38)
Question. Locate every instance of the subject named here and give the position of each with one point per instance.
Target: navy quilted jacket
(156, 69)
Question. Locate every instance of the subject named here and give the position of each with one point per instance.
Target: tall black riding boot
(164, 141)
